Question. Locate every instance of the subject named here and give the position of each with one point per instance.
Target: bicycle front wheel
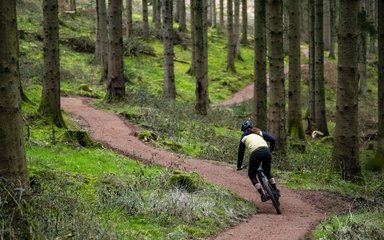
(268, 189)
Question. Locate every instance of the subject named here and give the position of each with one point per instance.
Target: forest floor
(301, 210)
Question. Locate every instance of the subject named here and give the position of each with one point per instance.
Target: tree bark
(277, 117)
(182, 16)
(260, 81)
(169, 88)
(221, 14)
(116, 84)
(156, 8)
(362, 49)
(311, 65)
(321, 118)
(333, 30)
(102, 33)
(295, 126)
(13, 167)
(231, 44)
(50, 99)
(214, 15)
(145, 19)
(346, 140)
(244, 15)
(201, 47)
(326, 24)
(380, 67)
(129, 19)
(236, 28)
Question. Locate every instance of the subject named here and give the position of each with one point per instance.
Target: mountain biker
(255, 140)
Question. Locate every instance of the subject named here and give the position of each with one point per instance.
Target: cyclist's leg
(266, 165)
(254, 163)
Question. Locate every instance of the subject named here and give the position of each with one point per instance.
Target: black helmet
(246, 125)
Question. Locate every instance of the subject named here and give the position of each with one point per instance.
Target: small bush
(135, 47)
(80, 44)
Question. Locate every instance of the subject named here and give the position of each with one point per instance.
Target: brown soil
(301, 210)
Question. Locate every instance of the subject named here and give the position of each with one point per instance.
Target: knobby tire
(268, 189)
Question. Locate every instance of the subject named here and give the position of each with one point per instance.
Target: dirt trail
(299, 209)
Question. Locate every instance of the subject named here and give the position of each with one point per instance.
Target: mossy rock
(188, 181)
(80, 137)
(147, 135)
(133, 116)
(172, 145)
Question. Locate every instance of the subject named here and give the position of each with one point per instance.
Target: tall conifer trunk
(169, 89)
(277, 117)
(50, 99)
(346, 139)
(295, 126)
(13, 167)
(260, 81)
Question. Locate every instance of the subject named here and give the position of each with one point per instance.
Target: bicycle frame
(268, 189)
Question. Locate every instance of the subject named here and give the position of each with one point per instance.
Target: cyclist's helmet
(246, 125)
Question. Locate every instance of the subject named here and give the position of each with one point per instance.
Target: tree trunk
(201, 47)
(182, 17)
(236, 29)
(116, 84)
(333, 33)
(380, 67)
(346, 140)
(373, 5)
(13, 167)
(244, 15)
(50, 99)
(276, 74)
(295, 126)
(214, 15)
(362, 49)
(145, 19)
(72, 5)
(221, 14)
(304, 21)
(321, 118)
(231, 44)
(311, 65)
(169, 89)
(191, 70)
(156, 8)
(129, 19)
(102, 34)
(260, 81)
(326, 24)
(285, 27)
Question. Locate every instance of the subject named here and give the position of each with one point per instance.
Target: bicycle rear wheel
(268, 189)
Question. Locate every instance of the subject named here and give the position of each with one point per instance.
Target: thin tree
(191, 70)
(102, 37)
(50, 99)
(244, 18)
(129, 18)
(277, 119)
(182, 16)
(311, 113)
(295, 126)
(380, 66)
(116, 84)
(362, 49)
(72, 5)
(236, 28)
(214, 15)
(231, 43)
(260, 81)
(169, 88)
(156, 10)
(13, 167)
(326, 23)
(199, 10)
(221, 14)
(321, 118)
(333, 33)
(346, 140)
(145, 19)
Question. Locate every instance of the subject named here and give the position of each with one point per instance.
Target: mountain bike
(267, 188)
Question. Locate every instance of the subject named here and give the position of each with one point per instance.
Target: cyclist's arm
(269, 139)
(240, 154)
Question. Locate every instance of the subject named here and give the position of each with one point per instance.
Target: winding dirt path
(300, 213)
